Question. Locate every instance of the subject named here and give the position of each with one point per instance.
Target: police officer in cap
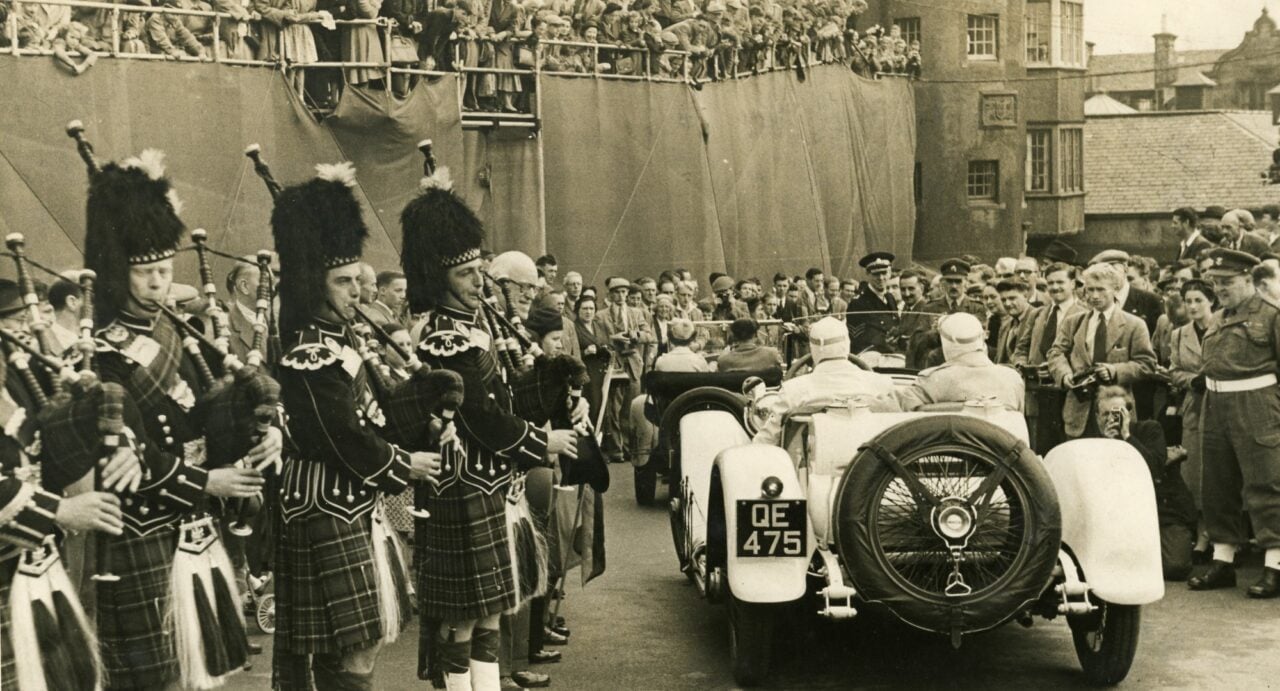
(955, 273)
(1241, 426)
(873, 316)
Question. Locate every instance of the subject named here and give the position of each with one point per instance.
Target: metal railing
(551, 57)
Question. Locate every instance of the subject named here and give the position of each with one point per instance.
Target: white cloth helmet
(828, 340)
(514, 266)
(961, 333)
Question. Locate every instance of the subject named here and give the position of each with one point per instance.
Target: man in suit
(1033, 344)
(1186, 221)
(1027, 270)
(1105, 342)
(388, 306)
(955, 273)
(628, 331)
(1017, 309)
(1236, 236)
(873, 317)
(1269, 225)
(242, 284)
(792, 308)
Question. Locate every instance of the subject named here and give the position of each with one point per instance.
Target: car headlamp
(758, 411)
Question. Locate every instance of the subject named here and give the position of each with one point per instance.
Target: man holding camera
(1104, 345)
(627, 329)
(1241, 419)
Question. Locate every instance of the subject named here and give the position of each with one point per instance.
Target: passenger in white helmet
(968, 373)
(834, 381)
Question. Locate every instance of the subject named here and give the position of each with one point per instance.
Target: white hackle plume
(344, 173)
(439, 180)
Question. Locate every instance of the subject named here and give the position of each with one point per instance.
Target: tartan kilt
(326, 586)
(137, 645)
(462, 555)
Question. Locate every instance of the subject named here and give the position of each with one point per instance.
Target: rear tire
(750, 640)
(646, 485)
(1106, 642)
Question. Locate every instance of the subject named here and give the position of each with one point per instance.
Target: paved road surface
(642, 626)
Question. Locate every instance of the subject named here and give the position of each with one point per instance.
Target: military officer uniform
(873, 319)
(956, 269)
(1241, 432)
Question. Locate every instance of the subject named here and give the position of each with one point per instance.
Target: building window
(1071, 159)
(983, 35)
(1039, 27)
(984, 181)
(1039, 161)
(910, 28)
(1072, 33)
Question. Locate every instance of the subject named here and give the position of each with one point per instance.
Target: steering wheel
(804, 361)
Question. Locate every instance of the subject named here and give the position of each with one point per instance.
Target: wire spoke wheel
(919, 554)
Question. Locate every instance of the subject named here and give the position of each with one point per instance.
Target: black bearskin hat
(131, 218)
(440, 232)
(317, 226)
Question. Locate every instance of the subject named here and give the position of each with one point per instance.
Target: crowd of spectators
(500, 41)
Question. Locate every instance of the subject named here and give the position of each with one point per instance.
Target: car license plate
(772, 528)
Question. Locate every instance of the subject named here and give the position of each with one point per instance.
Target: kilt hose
(137, 645)
(326, 586)
(462, 555)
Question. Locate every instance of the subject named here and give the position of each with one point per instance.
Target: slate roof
(1144, 80)
(1148, 163)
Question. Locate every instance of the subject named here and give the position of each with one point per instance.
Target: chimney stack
(1166, 63)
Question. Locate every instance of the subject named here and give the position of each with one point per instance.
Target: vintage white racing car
(944, 517)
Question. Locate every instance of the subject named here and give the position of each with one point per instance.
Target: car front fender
(739, 474)
(1109, 518)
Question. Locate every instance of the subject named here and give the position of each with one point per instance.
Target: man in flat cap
(874, 323)
(726, 306)
(1241, 426)
(1143, 304)
(955, 273)
(628, 330)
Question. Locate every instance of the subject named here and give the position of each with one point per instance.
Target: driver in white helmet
(968, 373)
(835, 380)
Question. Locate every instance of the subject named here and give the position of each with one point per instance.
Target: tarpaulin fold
(753, 175)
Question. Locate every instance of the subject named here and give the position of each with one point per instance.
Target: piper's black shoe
(1268, 586)
(255, 648)
(1220, 574)
(543, 657)
(1200, 557)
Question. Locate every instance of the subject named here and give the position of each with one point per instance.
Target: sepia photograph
(655, 345)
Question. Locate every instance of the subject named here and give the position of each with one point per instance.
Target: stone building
(1000, 121)
(1170, 79)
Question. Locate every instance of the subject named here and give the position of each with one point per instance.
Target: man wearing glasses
(1027, 270)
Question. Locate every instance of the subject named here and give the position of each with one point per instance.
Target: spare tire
(950, 522)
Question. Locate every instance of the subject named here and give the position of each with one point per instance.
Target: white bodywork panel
(1109, 518)
(703, 435)
(760, 579)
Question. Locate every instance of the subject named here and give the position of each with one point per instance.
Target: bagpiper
(477, 556)
(340, 593)
(172, 617)
(38, 602)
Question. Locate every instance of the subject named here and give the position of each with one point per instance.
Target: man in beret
(873, 319)
(955, 273)
(1241, 426)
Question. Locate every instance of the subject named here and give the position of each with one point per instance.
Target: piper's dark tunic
(336, 465)
(145, 356)
(463, 557)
